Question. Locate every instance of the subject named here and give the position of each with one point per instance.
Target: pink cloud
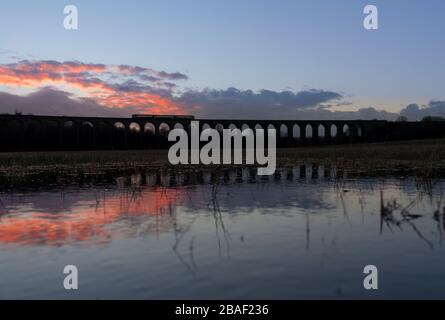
(122, 86)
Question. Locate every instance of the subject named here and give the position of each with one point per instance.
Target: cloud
(433, 108)
(142, 89)
(91, 89)
(150, 74)
(49, 101)
(369, 113)
(235, 103)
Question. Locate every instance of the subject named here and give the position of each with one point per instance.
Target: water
(297, 235)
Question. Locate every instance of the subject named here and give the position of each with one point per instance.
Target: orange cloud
(118, 87)
(145, 102)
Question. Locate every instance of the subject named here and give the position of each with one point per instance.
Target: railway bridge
(30, 132)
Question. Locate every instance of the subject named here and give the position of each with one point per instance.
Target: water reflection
(234, 234)
(86, 216)
(396, 215)
(148, 202)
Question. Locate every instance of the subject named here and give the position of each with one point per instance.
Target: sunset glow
(145, 90)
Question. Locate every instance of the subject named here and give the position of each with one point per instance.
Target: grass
(413, 153)
(423, 155)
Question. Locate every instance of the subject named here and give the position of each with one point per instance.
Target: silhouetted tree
(432, 118)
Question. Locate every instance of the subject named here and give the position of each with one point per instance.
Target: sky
(252, 58)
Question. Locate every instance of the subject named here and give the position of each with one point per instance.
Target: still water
(226, 235)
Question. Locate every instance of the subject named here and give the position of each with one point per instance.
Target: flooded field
(306, 232)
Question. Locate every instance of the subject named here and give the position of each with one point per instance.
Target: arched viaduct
(28, 132)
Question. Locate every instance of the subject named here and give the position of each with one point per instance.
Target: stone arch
(178, 126)
(86, 135)
(88, 124)
(296, 131)
(247, 131)
(271, 127)
(68, 124)
(346, 130)
(205, 126)
(149, 129)
(119, 126)
(334, 130)
(134, 127)
(309, 131)
(69, 134)
(33, 135)
(150, 138)
(104, 134)
(164, 129)
(219, 127)
(11, 134)
(52, 134)
(119, 135)
(259, 127)
(53, 124)
(321, 131)
(135, 137)
(194, 125)
(284, 131)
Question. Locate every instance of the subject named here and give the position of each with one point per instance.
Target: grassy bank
(421, 155)
(415, 153)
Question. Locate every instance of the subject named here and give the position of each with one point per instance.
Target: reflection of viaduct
(27, 132)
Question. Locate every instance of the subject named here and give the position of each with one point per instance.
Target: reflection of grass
(387, 216)
(423, 155)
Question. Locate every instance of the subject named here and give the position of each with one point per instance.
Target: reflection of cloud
(88, 220)
(275, 198)
(86, 217)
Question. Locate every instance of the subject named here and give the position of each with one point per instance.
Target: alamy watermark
(370, 22)
(210, 153)
(71, 281)
(71, 20)
(371, 281)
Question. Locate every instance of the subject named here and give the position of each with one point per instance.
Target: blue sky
(274, 45)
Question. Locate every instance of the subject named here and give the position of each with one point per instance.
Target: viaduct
(29, 132)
